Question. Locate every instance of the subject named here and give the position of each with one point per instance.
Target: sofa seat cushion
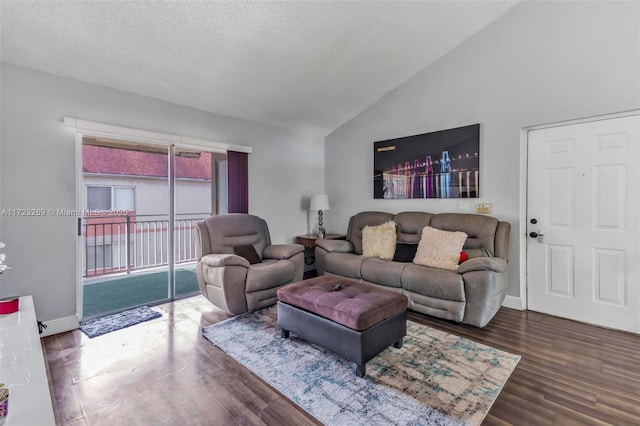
(345, 264)
(433, 282)
(451, 310)
(354, 305)
(381, 271)
(268, 274)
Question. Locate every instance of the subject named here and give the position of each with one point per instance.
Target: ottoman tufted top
(357, 306)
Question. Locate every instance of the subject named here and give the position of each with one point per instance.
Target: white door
(582, 202)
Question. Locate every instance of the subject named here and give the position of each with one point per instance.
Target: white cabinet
(22, 368)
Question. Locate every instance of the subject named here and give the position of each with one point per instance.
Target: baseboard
(60, 325)
(512, 302)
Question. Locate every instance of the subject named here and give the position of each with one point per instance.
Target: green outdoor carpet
(134, 290)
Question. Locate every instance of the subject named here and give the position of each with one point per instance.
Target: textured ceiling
(307, 66)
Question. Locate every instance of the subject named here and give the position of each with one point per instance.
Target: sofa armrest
(282, 251)
(339, 246)
(494, 264)
(324, 247)
(217, 260)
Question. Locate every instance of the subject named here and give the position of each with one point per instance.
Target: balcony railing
(128, 242)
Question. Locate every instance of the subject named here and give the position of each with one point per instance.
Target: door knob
(536, 234)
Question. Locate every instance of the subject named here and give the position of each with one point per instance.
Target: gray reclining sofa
(471, 295)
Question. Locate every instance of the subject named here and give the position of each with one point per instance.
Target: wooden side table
(309, 242)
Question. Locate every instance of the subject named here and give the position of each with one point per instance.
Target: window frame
(113, 199)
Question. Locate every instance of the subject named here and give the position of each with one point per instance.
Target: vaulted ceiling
(308, 66)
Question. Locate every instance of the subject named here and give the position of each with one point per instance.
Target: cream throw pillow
(379, 241)
(440, 249)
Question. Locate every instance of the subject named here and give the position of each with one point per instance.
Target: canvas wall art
(442, 164)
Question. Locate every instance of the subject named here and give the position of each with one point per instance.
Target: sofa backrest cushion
(236, 229)
(487, 236)
(410, 225)
(359, 221)
(481, 231)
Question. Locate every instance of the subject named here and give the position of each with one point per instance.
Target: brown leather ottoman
(356, 321)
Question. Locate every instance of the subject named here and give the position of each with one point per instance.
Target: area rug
(99, 326)
(436, 378)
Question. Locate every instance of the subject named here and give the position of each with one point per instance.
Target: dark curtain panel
(238, 181)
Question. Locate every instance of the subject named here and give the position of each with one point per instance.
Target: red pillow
(463, 256)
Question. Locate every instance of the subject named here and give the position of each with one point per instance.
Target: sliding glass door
(141, 202)
(195, 200)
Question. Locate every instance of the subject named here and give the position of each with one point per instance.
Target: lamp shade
(319, 202)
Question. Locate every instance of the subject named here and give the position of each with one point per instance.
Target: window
(124, 198)
(98, 198)
(111, 198)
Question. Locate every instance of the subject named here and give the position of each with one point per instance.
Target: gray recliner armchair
(239, 270)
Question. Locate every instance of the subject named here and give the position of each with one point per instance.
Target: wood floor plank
(166, 372)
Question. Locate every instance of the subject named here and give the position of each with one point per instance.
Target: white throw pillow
(379, 241)
(440, 249)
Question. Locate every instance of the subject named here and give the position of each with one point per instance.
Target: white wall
(541, 62)
(38, 171)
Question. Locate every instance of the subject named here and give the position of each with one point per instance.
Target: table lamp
(320, 202)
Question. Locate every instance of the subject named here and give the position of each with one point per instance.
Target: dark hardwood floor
(164, 372)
